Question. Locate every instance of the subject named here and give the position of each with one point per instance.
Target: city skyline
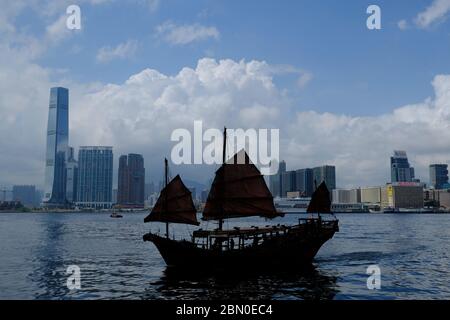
(349, 106)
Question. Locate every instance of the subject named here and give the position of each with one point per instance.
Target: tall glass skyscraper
(95, 174)
(325, 174)
(439, 176)
(57, 144)
(401, 171)
(305, 183)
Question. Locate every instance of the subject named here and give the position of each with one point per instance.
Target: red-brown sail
(320, 200)
(174, 205)
(239, 190)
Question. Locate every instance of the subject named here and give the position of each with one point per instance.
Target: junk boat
(238, 191)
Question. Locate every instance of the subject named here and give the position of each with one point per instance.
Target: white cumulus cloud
(140, 114)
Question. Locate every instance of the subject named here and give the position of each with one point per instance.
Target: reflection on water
(308, 283)
(412, 251)
(49, 268)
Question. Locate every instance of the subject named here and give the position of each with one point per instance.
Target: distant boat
(238, 191)
(114, 214)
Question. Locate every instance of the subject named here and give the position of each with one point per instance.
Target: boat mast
(224, 159)
(166, 177)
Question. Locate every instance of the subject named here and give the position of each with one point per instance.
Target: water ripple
(412, 252)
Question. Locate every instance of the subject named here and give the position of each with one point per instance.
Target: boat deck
(255, 231)
(239, 231)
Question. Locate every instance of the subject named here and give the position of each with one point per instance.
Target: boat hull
(298, 246)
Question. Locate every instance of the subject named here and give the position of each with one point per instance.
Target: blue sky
(138, 69)
(355, 71)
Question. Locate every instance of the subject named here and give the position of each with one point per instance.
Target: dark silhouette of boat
(238, 190)
(115, 215)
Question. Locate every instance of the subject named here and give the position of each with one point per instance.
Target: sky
(340, 94)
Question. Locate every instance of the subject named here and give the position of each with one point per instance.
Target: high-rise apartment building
(304, 182)
(439, 176)
(131, 180)
(301, 181)
(288, 182)
(327, 174)
(95, 175)
(275, 181)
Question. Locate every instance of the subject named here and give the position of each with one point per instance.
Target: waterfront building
(437, 198)
(131, 180)
(71, 176)
(305, 182)
(401, 171)
(371, 195)
(95, 175)
(274, 185)
(349, 208)
(325, 173)
(27, 195)
(439, 176)
(122, 182)
(444, 198)
(57, 146)
(340, 196)
(293, 195)
(288, 183)
(275, 181)
(301, 180)
(282, 167)
(402, 195)
(346, 196)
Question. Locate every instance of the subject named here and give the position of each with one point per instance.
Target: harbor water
(412, 252)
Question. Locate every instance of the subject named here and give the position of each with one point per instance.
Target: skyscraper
(282, 167)
(401, 171)
(304, 182)
(57, 144)
(71, 176)
(327, 174)
(131, 182)
(275, 181)
(95, 174)
(123, 192)
(288, 183)
(439, 175)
